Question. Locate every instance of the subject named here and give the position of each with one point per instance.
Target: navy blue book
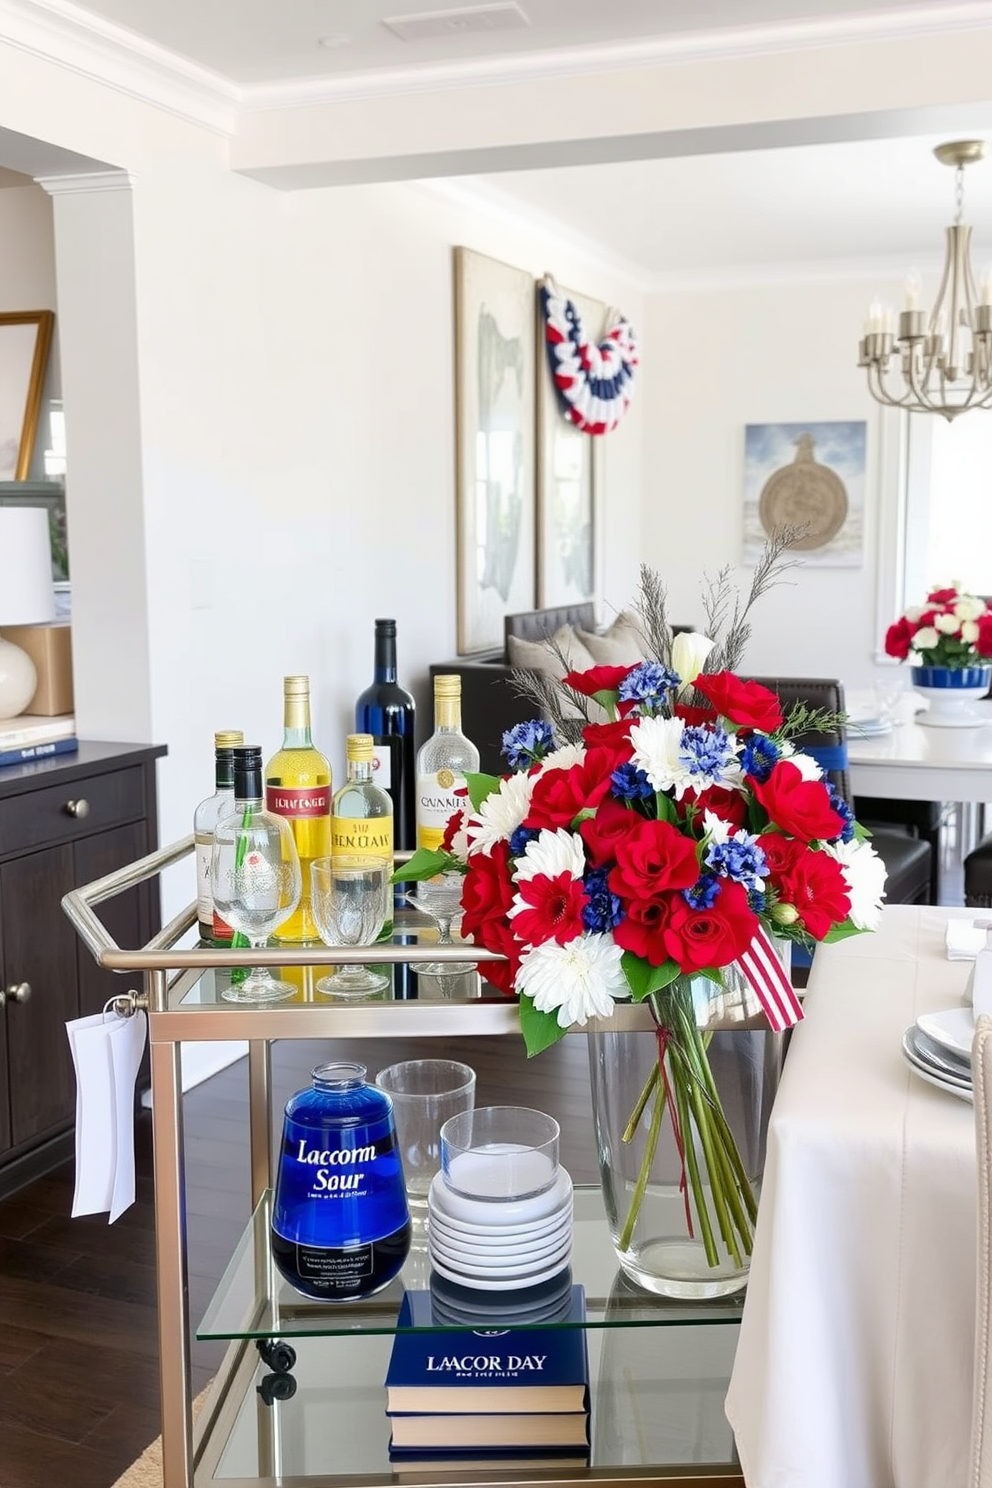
(489, 1372)
(25, 753)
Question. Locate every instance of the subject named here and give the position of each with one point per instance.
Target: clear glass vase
(681, 1194)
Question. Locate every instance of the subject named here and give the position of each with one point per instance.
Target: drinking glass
(349, 907)
(441, 900)
(256, 883)
(424, 1093)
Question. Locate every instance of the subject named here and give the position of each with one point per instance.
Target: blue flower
(628, 783)
(602, 910)
(707, 752)
(756, 902)
(520, 838)
(759, 757)
(703, 892)
(649, 686)
(843, 810)
(739, 858)
(526, 743)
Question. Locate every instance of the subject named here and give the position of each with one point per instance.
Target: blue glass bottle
(340, 1221)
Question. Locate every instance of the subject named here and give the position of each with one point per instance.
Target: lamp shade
(27, 594)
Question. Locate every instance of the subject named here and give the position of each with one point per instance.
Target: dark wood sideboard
(63, 822)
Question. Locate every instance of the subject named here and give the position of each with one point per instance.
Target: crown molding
(111, 180)
(725, 44)
(880, 269)
(61, 32)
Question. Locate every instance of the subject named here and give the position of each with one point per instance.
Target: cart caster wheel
(280, 1357)
(275, 1387)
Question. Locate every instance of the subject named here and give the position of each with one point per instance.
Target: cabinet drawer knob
(78, 809)
(16, 992)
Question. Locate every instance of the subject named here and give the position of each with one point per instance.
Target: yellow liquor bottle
(298, 787)
(362, 817)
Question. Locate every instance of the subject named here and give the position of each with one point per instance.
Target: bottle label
(204, 898)
(362, 835)
(339, 1187)
(438, 798)
(286, 800)
(382, 764)
(334, 1267)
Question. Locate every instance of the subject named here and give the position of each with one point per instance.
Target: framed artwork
(568, 481)
(495, 446)
(25, 341)
(812, 476)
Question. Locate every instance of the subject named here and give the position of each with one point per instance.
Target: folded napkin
(963, 940)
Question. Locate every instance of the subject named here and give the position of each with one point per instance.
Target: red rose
(653, 857)
(701, 938)
(728, 805)
(693, 715)
(799, 807)
(487, 892)
(559, 795)
(942, 596)
(899, 639)
(642, 929)
(602, 833)
(598, 679)
(747, 704)
(613, 736)
(983, 645)
(780, 854)
(815, 884)
(495, 935)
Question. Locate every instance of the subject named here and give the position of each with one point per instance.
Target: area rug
(146, 1470)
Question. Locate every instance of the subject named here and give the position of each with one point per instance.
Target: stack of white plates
(938, 1048)
(500, 1245)
(868, 726)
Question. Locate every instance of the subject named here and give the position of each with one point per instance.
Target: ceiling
(860, 206)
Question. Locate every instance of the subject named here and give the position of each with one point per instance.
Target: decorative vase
(951, 693)
(681, 1195)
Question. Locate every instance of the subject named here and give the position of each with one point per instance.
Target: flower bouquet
(952, 629)
(668, 842)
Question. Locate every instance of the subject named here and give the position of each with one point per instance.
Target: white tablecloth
(854, 1367)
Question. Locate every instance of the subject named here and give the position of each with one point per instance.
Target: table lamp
(27, 597)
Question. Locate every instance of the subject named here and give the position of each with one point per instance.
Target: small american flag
(772, 987)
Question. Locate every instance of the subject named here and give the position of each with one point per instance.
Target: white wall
(723, 358)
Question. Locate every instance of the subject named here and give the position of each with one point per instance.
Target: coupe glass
(441, 899)
(256, 881)
(349, 907)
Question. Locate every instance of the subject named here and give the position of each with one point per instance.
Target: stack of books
(459, 1399)
(32, 737)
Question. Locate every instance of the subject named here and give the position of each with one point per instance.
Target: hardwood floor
(79, 1357)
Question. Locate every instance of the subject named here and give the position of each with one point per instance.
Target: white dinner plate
(954, 1028)
(934, 1058)
(522, 1271)
(501, 1239)
(932, 1078)
(500, 1284)
(505, 1261)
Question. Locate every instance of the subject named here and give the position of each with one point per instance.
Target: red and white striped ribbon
(772, 987)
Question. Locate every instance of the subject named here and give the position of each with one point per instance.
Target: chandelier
(941, 363)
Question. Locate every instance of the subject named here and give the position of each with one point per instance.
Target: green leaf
(643, 978)
(426, 863)
(540, 1030)
(843, 931)
(665, 807)
(607, 700)
(479, 787)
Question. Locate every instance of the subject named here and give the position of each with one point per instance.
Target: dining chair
(978, 875)
(980, 1472)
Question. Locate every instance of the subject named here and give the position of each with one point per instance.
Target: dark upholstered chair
(908, 860)
(978, 875)
(917, 818)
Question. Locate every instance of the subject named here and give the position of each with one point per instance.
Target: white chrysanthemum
(864, 874)
(657, 751)
(969, 631)
(563, 758)
(690, 649)
(552, 853)
(579, 980)
(969, 607)
(501, 812)
(925, 638)
(947, 624)
(805, 764)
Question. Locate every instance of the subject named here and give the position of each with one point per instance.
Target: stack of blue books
(460, 1398)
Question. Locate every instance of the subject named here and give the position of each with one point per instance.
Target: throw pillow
(621, 645)
(537, 656)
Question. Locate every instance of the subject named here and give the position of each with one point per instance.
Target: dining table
(854, 1367)
(915, 761)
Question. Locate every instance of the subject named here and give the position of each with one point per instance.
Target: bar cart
(298, 1400)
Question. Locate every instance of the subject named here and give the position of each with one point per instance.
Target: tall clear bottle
(362, 817)
(388, 712)
(298, 787)
(442, 764)
(213, 929)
